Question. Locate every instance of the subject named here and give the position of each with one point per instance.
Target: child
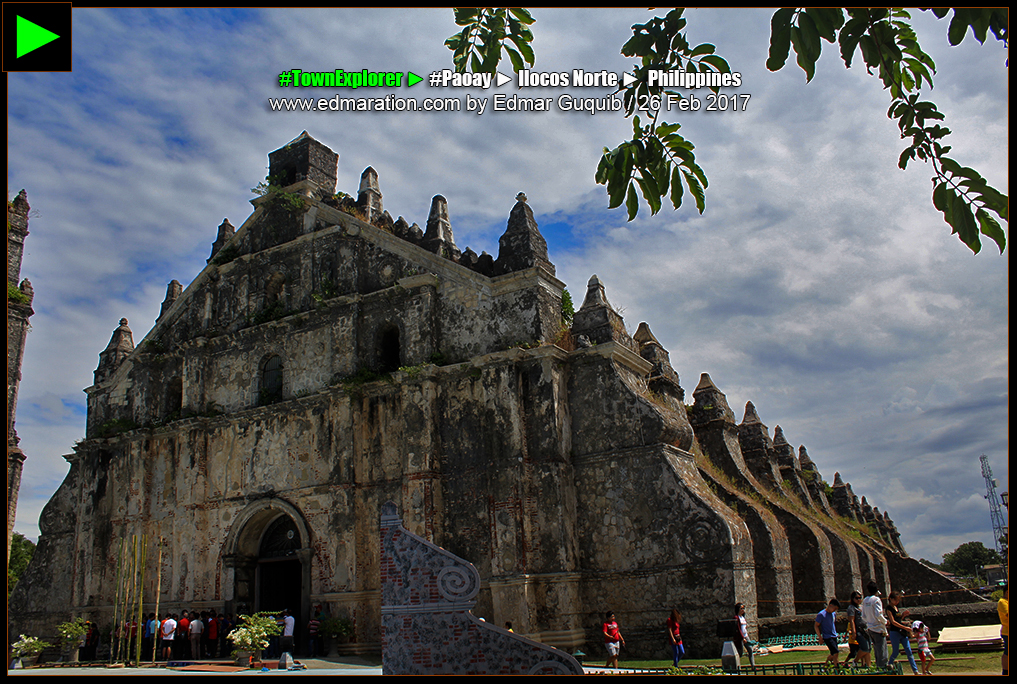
(826, 629)
(921, 632)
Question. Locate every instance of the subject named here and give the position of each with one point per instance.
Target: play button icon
(37, 36)
(31, 36)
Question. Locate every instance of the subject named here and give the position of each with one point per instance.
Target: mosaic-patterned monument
(427, 627)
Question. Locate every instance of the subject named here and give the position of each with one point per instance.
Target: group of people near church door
(187, 635)
(870, 626)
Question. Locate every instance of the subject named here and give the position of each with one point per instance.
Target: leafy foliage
(28, 646)
(22, 550)
(889, 47)
(485, 32)
(72, 631)
(336, 627)
(658, 160)
(568, 309)
(967, 558)
(14, 294)
(253, 631)
(659, 163)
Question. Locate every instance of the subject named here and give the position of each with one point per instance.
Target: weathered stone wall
(329, 359)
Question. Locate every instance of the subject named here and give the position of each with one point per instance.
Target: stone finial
(599, 321)
(27, 289)
(706, 383)
(223, 235)
(386, 222)
(369, 197)
(120, 346)
(778, 437)
(401, 228)
(20, 203)
(173, 290)
(522, 246)
(662, 378)
(469, 259)
(837, 482)
(750, 417)
(122, 339)
(438, 238)
(595, 294)
(804, 460)
(645, 336)
(710, 403)
(485, 264)
(521, 197)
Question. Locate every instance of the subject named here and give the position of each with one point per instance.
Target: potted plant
(26, 647)
(337, 630)
(71, 634)
(251, 635)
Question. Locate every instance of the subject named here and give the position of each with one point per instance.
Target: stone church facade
(329, 359)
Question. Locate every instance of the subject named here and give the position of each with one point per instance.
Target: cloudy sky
(820, 283)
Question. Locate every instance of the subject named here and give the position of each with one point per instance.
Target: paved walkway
(315, 667)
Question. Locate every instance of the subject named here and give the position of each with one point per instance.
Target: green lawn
(973, 661)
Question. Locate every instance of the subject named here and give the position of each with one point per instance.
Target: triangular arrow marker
(628, 79)
(501, 80)
(412, 79)
(31, 36)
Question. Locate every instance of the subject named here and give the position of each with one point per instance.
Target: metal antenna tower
(1000, 529)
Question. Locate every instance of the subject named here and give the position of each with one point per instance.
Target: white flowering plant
(253, 631)
(28, 646)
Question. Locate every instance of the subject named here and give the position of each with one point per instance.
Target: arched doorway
(269, 549)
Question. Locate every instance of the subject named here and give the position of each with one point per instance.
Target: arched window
(271, 381)
(388, 349)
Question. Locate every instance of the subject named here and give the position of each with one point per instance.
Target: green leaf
(632, 202)
(717, 62)
(522, 14)
(780, 39)
(696, 189)
(704, 49)
(958, 27)
(965, 225)
(849, 37)
(807, 63)
(650, 193)
(827, 21)
(939, 197)
(517, 60)
(676, 187)
(638, 45)
(991, 229)
(810, 36)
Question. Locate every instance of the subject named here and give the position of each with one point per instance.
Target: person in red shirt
(674, 635)
(182, 643)
(613, 639)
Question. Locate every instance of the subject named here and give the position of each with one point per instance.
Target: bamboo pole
(124, 602)
(116, 601)
(158, 596)
(141, 601)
